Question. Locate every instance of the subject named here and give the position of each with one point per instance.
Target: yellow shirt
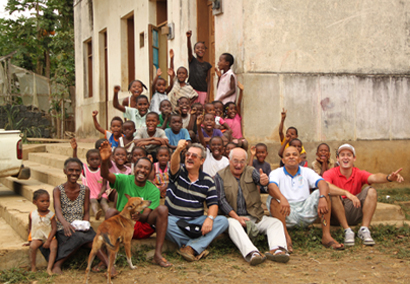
(283, 141)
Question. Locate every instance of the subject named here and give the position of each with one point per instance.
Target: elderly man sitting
(240, 199)
(188, 190)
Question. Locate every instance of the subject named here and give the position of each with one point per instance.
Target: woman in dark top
(71, 202)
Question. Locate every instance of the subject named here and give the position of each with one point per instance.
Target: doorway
(206, 33)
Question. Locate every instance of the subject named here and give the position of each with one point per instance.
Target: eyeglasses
(193, 155)
(238, 162)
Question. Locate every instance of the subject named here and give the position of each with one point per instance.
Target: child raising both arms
(199, 70)
(115, 132)
(226, 87)
(234, 120)
(135, 114)
(159, 85)
(42, 228)
(91, 177)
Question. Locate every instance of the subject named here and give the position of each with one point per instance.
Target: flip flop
(163, 262)
(333, 245)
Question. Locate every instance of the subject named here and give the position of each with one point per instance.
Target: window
(89, 69)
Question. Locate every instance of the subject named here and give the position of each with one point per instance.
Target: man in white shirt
(291, 202)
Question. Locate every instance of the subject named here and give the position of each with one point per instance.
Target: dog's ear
(128, 197)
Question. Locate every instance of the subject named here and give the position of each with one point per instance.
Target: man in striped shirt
(189, 188)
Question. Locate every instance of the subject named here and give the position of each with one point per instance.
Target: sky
(5, 14)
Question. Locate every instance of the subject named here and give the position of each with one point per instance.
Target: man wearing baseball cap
(355, 204)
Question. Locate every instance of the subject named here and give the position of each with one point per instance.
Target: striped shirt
(185, 199)
(178, 92)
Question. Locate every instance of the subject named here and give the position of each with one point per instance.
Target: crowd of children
(152, 128)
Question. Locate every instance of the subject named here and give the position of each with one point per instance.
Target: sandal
(333, 245)
(162, 262)
(278, 255)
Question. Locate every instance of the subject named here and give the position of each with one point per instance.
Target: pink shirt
(235, 125)
(353, 184)
(115, 170)
(224, 86)
(94, 181)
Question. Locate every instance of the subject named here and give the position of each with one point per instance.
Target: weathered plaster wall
(109, 16)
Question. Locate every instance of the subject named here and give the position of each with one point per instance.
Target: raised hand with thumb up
(264, 179)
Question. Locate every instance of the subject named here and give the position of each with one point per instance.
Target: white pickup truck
(11, 155)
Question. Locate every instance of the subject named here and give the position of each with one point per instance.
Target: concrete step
(32, 148)
(66, 150)
(26, 188)
(46, 174)
(12, 251)
(48, 159)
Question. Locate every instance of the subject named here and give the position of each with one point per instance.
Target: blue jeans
(174, 233)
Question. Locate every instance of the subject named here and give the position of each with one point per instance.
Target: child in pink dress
(233, 118)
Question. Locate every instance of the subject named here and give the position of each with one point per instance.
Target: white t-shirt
(212, 165)
(295, 188)
(134, 115)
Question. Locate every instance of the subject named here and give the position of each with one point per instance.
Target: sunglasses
(193, 155)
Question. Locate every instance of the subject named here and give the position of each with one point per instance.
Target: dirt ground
(360, 265)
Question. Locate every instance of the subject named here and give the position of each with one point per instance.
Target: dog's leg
(111, 261)
(96, 246)
(127, 247)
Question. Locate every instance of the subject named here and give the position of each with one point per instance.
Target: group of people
(180, 147)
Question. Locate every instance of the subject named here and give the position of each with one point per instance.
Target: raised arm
(383, 178)
(115, 101)
(73, 143)
(239, 104)
(154, 82)
(283, 146)
(199, 128)
(175, 158)
(96, 124)
(105, 153)
(188, 41)
(171, 72)
(253, 153)
(192, 119)
(282, 121)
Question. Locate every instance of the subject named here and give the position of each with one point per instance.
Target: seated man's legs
(348, 215)
(198, 245)
(273, 206)
(303, 214)
(241, 239)
(219, 226)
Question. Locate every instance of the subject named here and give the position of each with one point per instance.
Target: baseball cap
(347, 147)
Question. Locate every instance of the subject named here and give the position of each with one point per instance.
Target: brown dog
(115, 230)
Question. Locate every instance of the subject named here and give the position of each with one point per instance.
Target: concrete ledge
(66, 150)
(48, 159)
(32, 148)
(17, 256)
(46, 174)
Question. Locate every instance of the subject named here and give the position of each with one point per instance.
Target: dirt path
(362, 265)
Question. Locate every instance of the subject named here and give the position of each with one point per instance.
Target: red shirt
(353, 184)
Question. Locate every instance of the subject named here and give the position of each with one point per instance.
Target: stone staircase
(46, 163)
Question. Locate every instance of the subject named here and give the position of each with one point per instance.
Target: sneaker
(257, 258)
(364, 234)
(349, 238)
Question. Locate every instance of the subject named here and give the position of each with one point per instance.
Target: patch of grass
(20, 275)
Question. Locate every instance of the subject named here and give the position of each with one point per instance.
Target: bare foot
(98, 215)
(57, 270)
(49, 271)
(33, 269)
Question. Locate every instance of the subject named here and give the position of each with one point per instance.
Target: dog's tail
(107, 240)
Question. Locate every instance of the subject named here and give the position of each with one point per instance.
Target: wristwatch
(322, 196)
(211, 217)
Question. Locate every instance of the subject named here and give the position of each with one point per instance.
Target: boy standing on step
(351, 204)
